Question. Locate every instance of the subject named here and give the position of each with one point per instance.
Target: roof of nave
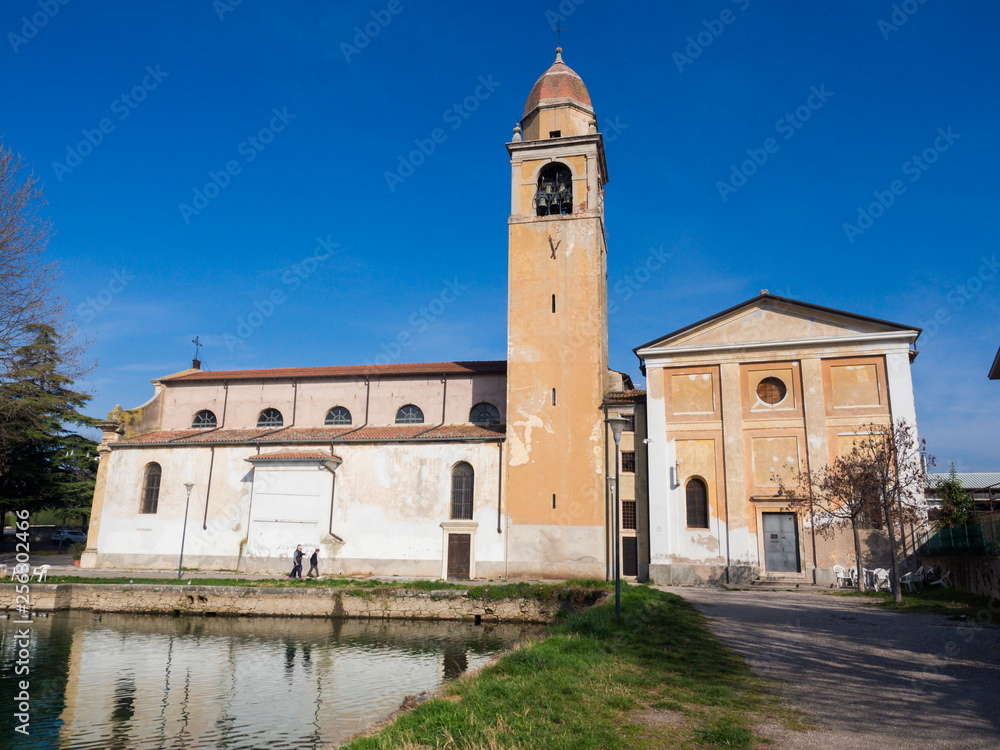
(286, 373)
(371, 433)
(634, 396)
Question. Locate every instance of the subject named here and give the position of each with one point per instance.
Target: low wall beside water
(406, 604)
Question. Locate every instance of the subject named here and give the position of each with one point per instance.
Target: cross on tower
(197, 345)
(558, 30)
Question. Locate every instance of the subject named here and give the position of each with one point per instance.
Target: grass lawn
(656, 679)
(937, 599)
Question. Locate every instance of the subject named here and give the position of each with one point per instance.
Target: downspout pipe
(333, 493)
(368, 393)
(499, 486)
(607, 502)
(253, 481)
(444, 401)
(208, 491)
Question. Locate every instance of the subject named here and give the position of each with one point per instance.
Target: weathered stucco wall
(386, 515)
(839, 374)
(405, 604)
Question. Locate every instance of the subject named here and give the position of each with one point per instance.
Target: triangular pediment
(770, 319)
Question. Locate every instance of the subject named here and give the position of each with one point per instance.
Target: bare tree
(29, 298)
(892, 454)
(838, 496)
(877, 484)
(27, 280)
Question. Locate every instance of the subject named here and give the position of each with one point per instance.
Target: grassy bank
(936, 600)
(656, 679)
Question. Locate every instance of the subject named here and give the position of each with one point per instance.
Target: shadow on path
(869, 678)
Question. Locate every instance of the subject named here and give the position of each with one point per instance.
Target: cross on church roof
(558, 30)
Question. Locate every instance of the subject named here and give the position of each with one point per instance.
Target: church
(506, 469)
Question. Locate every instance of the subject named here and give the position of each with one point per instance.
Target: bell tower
(557, 340)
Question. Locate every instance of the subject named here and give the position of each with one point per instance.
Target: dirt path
(868, 678)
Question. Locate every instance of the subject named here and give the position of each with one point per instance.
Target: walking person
(297, 563)
(313, 565)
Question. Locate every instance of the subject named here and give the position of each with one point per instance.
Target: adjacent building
(743, 400)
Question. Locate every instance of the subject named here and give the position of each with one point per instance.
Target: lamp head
(189, 486)
(617, 425)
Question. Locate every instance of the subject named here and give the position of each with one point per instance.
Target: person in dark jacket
(313, 565)
(297, 563)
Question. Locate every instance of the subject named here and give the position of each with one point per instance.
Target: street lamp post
(617, 424)
(187, 503)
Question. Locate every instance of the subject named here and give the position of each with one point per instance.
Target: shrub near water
(579, 687)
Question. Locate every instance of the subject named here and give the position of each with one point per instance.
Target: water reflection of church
(140, 681)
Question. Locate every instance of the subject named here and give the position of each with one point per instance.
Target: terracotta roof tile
(292, 456)
(558, 82)
(634, 396)
(372, 433)
(417, 368)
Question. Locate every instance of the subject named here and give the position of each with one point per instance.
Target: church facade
(506, 469)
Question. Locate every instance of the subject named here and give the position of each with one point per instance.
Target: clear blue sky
(181, 92)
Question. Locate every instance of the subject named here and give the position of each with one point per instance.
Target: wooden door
(459, 555)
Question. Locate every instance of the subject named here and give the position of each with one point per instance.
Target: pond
(132, 682)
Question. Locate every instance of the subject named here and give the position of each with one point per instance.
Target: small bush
(76, 549)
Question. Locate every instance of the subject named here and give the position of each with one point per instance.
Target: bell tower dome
(558, 103)
(557, 341)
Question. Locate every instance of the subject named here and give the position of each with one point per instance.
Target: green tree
(957, 505)
(43, 464)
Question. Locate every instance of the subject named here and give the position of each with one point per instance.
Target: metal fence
(980, 539)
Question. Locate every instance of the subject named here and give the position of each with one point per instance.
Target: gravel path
(868, 678)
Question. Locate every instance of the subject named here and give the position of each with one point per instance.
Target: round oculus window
(771, 391)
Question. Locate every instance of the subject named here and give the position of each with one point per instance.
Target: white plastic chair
(944, 580)
(852, 576)
(909, 580)
(41, 571)
(842, 576)
(881, 578)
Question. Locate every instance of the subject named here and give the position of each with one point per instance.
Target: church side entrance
(781, 543)
(459, 556)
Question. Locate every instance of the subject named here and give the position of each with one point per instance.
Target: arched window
(462, 482)
(204, 419)
(150, 488)
(484, 413)
(338, 416)
(555, 190)
(270, 418)
(410, 414)
(697, 504)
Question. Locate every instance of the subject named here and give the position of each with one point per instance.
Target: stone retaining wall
(406, 604)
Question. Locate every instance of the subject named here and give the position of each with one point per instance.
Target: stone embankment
(402, 604)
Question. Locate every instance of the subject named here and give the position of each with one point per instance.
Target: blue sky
(225, 170)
